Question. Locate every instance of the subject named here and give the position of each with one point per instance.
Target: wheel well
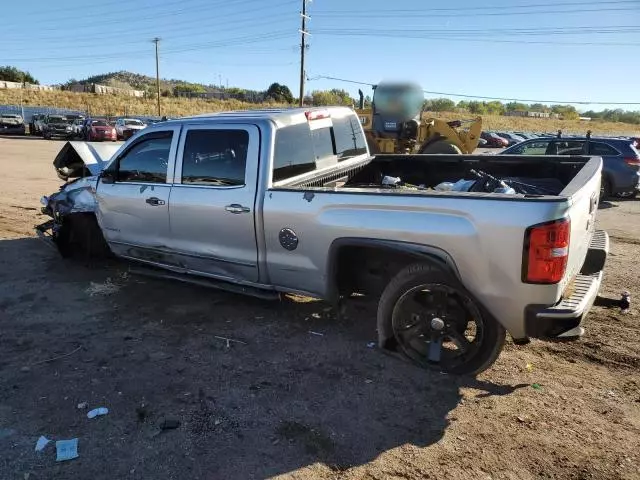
(367, 269)
(79, 235)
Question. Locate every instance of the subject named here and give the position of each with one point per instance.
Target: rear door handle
(236, 208)
(154, 201)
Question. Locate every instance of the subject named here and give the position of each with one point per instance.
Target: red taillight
(633, 161)
(317, 114)
(546, 252)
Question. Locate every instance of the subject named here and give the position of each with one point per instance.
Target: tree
(187, 88)
(539, 107)
(12, 74)
(331, 97)
(568, 112)
(479, 108)
(439, 105)
(279, 93)
(463, 105)
(495, 108)
(516, 107)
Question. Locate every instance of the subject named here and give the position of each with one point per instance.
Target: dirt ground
(299, 394)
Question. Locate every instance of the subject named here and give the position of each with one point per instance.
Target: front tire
(427, 315)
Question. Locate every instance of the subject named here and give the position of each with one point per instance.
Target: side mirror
(107, 176)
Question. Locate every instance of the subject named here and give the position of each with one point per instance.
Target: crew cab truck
(459, 249)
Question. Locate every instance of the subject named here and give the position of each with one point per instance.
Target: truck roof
(280, 116)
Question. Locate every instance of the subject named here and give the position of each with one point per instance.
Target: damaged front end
(73, 227)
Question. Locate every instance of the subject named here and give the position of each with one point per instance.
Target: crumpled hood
(81, 159)
(76, 196)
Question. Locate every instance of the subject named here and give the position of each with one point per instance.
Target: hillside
(113, 105)
(174, 107)
(136, 81)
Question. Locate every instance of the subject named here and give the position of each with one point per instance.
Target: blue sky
(532, 49)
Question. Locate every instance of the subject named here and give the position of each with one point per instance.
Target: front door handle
(154, 201)
(236, 208)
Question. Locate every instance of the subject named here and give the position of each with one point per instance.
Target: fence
(28, 112)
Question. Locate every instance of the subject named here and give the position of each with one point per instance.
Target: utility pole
(156, 41)
(303, 48)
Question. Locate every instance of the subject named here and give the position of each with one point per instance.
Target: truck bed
(550, 175)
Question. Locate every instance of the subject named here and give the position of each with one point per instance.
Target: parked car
(126, 127)
(526, 136)
(39, 123)
(11, 123)
(77, 127)
(35, 124)
(512, 138)
(98, 129)
(305, 208)
(56, 126)
(621, 160)
(493, 140)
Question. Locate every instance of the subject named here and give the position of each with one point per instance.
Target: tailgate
(584, 195)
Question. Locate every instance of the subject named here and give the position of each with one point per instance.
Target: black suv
(620, 159)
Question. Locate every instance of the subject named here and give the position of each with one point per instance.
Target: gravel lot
(285, 402)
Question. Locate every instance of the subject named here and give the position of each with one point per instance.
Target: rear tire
(427, 330)
(440, 147)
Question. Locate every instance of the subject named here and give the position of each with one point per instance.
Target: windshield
(137, 123)
(98, 123)
(10, 116)
(58, 119)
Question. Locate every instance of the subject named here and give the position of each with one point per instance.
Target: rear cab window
(215, 157)
(316, 144)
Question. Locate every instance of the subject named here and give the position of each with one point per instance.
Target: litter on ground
(96, 412)
(41, 443)
(102, 289)
(66, 450)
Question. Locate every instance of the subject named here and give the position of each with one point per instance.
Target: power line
(481, 97)
(458, 14)
(496, 7)
(231, 25)
(583, 30)
(152, 15)
(473, 38)
(186, 48)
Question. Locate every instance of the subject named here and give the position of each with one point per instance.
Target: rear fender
(425, 253)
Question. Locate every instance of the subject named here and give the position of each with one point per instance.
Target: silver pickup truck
(459, 249)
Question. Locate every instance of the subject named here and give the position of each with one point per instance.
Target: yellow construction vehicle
(395, 124)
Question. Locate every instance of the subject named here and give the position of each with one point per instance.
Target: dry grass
(176, 107)
(119, 105)
(517, 124)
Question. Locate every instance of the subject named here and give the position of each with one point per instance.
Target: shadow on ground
(258, 388)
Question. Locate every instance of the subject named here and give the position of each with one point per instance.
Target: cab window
(146, 161)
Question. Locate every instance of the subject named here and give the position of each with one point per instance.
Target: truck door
(133, 196)
(212, 203)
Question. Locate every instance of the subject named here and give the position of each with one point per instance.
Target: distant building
(27, 86)
(103, 90)
(523, 113)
